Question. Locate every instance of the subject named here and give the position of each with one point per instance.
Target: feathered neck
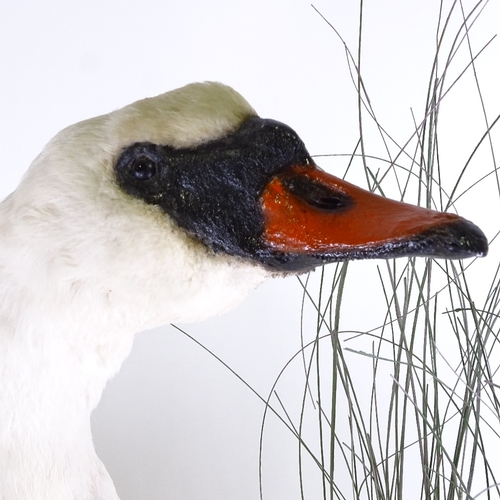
(68, 316)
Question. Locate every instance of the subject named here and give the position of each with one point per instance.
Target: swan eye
(140, 169)
(143, 169)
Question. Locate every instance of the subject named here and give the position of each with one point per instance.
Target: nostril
(317, 194)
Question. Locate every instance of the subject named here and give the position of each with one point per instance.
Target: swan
(168, 210)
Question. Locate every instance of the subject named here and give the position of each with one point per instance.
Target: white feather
(83, 267)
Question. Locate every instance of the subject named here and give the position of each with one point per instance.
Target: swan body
(93, 249)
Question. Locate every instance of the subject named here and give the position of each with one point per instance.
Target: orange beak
(308, 212)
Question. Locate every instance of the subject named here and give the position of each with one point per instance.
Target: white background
(175, 423)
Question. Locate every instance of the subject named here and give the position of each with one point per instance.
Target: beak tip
(459, 240)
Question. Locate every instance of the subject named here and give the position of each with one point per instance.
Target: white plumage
(68, 317)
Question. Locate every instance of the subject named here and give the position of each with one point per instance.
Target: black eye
(143, 169)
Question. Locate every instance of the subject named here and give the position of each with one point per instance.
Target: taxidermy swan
(170, 209)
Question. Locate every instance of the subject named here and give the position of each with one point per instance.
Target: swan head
(247, 187)
(174, 200)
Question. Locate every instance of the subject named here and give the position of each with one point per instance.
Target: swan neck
(50, 385)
